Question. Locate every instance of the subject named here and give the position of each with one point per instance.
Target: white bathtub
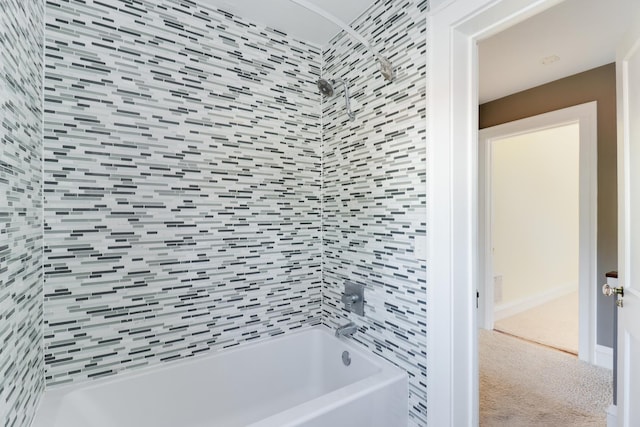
(298, 379)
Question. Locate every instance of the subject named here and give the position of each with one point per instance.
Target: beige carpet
(554, 324)
(525, 384)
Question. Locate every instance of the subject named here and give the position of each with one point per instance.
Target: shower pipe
(385, 66)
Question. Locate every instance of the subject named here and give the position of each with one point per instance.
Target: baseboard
(612, 416)
(603, 357)
(502, 311)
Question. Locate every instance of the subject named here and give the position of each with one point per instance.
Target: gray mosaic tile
(21, 362)
(374, 188)
(182, 184)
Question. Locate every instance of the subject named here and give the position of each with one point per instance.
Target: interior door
(628, 70)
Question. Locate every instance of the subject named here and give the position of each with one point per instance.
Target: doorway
(535, 235)
(537, 181)
(537, 228)
(452, 203)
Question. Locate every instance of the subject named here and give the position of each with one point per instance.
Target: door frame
(453, 30)
(585, 115)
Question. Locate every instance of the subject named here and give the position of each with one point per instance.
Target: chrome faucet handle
(353, 298)
(349, 299)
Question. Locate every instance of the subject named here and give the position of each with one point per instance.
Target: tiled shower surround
(374, 188)
(21, 363)
(182, 184)
(198, 192)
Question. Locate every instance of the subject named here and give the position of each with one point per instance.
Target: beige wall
(598, 85)
(535, 187)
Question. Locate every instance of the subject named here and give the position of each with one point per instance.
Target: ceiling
(294, 20)
(574, 36)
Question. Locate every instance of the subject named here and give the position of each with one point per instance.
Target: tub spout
(346, 330)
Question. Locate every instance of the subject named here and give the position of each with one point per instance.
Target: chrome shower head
(325, 87)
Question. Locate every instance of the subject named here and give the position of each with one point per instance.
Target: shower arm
(347, 103)
(385, 66)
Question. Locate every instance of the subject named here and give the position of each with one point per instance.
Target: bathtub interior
(234, 387)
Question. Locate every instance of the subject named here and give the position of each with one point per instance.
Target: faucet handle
(349, 299)
(353, 298)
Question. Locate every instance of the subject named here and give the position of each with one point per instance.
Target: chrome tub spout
(346, 330)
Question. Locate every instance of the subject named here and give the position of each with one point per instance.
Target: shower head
(325, 87)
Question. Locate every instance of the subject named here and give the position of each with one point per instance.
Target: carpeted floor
(525, 384)
(554, 324)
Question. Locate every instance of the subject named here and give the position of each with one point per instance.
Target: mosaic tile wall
(374, 188)
(21, 362)
(182, 184)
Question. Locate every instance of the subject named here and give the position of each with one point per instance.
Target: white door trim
(454, 27)
(628, 98)
(586, 117)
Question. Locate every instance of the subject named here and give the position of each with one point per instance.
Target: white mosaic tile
(21, 363)
(182, 181)
(374, 189)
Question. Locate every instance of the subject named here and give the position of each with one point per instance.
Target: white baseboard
(603, 357)
(502, 311)
(612, 416)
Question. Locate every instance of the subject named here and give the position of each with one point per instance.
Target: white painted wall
(535, 212)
